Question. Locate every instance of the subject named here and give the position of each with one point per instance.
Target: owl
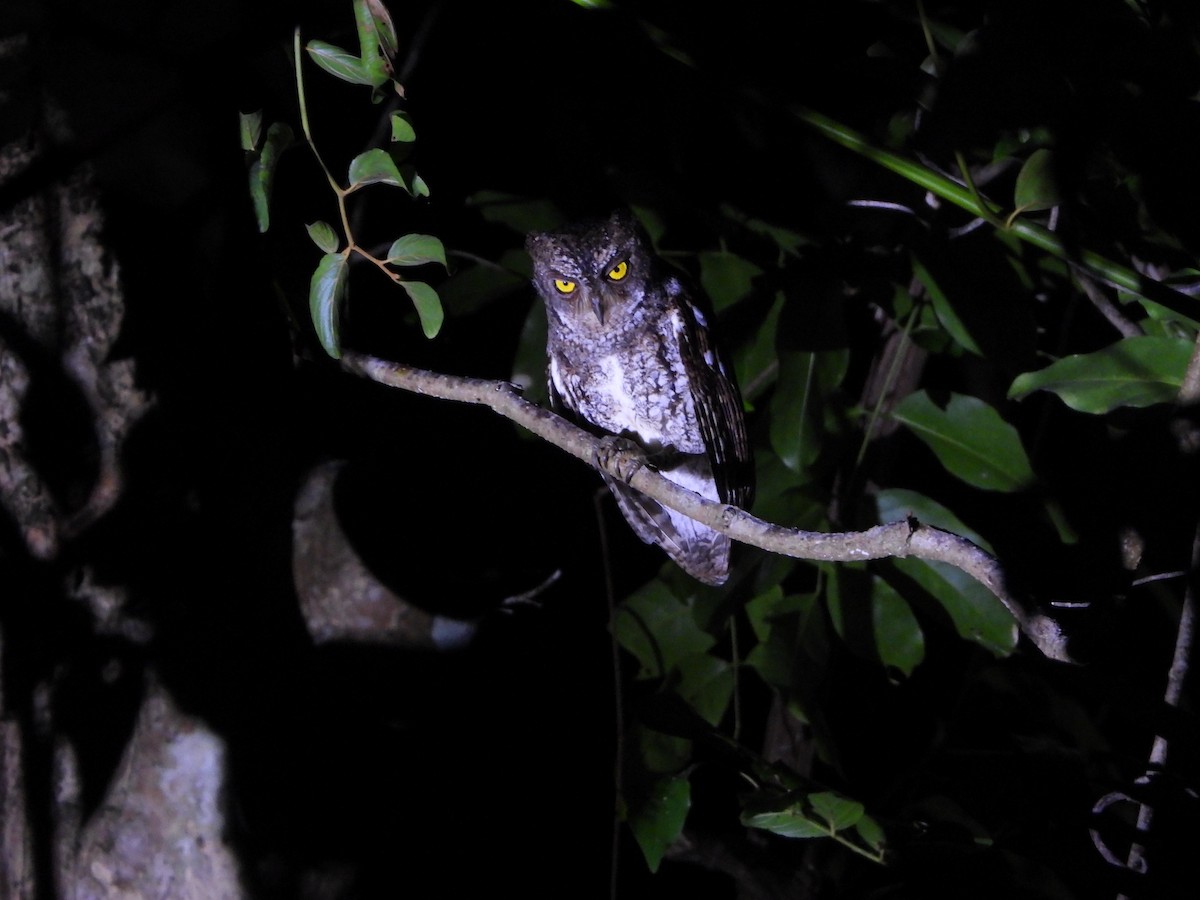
(631, 354)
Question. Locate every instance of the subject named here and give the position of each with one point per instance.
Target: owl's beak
(598, 306)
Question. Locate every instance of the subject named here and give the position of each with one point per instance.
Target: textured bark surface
(158, 829)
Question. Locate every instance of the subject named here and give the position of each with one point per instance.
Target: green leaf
(429, 307)
(659, 629)
(840, 812)
(262, 171)
(875, 620)
(799, 816)
(726, 278)
(341, 63)
(417, 250)
(706, 683)
(1136, 371)
(871, 834)
(418, 186)
(946, 314)
(376, 166)
(326, 294)
(370, 42)
(659, 818)
(651, 221)
(791, 639)
(402, 129)
(474, 286)
(798, 405)
(975, 611)
(970, 439)
(323, 236)
(788, 822)
(762, 609)
(1037, 188)
(385, 30)
(755, 362)
(250, 128)
(529, 363)
(521, 214)
(789, 242)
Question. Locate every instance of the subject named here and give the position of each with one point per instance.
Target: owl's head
(593, 275)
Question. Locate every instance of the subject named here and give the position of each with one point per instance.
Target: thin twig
(897, 539)
(1106, 307)
(1136, 861)
(618, 694)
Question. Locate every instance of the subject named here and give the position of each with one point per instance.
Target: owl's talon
(620, 456)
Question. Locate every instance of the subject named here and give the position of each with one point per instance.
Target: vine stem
(340, 192)
(618, 695)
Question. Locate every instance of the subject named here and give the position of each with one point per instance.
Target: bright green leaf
(375, 166)
(1136, 371)
(323, 236)
(840, 812)
(385, 30)
(795, 815)
(250, 128)
(326, 294)
(402, 129)
(418, 186)
(1036, 186)
(429, 306)
(370, 42)
(946, 314)
(417, 250)
(726, 278)
(340, 63)
(659, 819)
(970, 439)
(789, 823)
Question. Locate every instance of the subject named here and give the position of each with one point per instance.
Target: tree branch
(908, 538)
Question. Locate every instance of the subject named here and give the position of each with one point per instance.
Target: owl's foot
(620, 457)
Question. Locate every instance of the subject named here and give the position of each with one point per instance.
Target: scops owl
(632, 355)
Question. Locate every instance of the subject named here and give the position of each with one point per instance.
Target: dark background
(492, 769)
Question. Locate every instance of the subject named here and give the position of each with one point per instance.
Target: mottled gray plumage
(630, 354)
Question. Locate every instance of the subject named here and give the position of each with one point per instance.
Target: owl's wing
(717, 401)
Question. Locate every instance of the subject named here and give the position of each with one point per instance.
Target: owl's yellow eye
(619, 271)
(563, 286)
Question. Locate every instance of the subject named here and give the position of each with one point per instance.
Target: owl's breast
(641, 392)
